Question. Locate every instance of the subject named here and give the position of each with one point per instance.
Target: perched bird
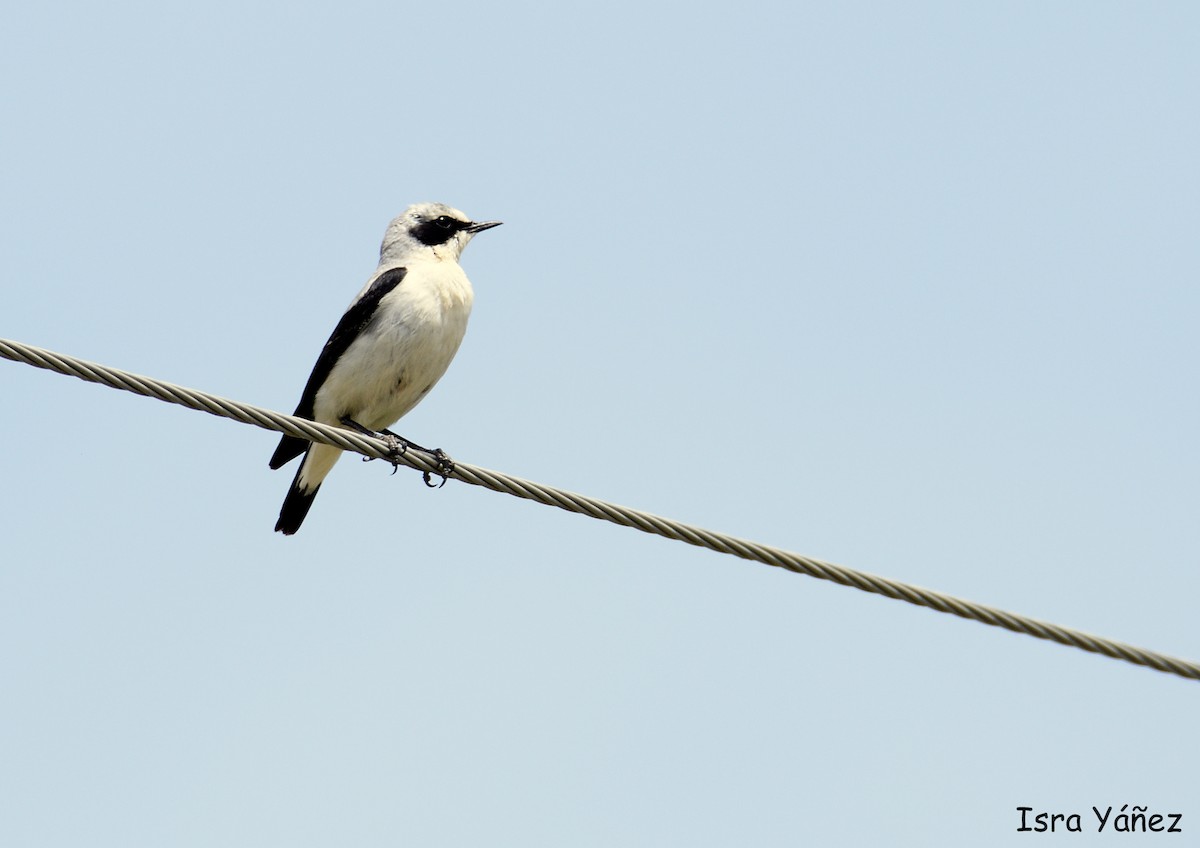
(392, 345)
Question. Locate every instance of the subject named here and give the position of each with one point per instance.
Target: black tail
(295, 506)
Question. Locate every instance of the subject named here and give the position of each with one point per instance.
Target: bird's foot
(398, 446)
(445, 467)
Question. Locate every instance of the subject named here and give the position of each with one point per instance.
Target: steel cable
(584, 505)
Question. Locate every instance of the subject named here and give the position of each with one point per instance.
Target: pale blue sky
(912, 288)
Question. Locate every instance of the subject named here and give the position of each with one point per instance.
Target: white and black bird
(392, 345)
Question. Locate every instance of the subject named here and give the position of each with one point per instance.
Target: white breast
(405, 350)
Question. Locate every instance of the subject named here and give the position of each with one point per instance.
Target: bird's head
(430, 228)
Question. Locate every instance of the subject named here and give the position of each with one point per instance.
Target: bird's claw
(445, 467)
(397, 447)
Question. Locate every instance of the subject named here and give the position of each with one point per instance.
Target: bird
(391, 346)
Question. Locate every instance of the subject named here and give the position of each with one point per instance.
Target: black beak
(479, 228)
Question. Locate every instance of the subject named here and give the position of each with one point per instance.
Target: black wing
(349, 328)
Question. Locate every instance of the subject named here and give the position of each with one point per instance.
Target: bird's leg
(445, 465)
(398, 446)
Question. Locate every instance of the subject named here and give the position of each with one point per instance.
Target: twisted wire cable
(594, 508)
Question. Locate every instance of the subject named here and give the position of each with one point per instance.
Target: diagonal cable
(584, 505)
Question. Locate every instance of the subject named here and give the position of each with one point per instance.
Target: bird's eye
(445, 222)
